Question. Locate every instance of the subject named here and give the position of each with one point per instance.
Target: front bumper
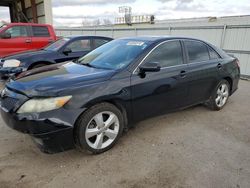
(50, 135)
(10, 71)
(52, 130)
(6, 72)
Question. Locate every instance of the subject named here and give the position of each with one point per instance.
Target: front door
(78, 47)
(166, 90)
(19, 41)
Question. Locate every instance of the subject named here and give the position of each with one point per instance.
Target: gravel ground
(191, 148)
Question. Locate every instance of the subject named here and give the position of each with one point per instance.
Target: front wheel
(220, 96)
(99, 128)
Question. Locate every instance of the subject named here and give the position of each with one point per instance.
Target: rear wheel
(220, 96)
(99, 128)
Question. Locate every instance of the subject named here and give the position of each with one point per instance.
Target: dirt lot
(191, 148)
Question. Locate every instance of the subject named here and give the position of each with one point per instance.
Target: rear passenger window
(197, 51)
(99, 42)
(167, 54)
(213, 54)
(40, 31)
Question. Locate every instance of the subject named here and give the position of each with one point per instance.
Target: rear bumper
(236, 78)
(50, 134)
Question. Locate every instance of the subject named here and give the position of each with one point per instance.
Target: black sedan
(64, 49)
(90, 102)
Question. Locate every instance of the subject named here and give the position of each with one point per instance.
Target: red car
(18, 37)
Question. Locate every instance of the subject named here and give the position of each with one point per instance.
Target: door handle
(183, 74)
(28, 40)
(219, 66)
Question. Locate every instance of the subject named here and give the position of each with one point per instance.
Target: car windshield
(57, 44)
(114, 55)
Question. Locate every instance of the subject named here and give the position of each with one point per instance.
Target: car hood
(57, 79)
(28, 54)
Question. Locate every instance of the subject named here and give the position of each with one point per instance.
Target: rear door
(162, 91)
(40, 37)
(20, 40)
(204, 66)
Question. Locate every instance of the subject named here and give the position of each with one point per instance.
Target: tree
(107, 21)
(97, 22)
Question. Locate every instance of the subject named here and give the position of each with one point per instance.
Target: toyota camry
(88, 103)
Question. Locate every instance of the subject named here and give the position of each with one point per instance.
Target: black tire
(83, 121)
(212, 100)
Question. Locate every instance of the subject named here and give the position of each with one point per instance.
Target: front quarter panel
(115, 90)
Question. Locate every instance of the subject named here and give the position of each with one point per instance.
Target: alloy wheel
(222, 95)
(102, 130)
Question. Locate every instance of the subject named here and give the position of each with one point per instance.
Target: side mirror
(67, 51)
(149, 67)
(5, 36)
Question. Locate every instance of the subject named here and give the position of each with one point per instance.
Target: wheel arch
(116, 102)
(120, 106)
(230, 81)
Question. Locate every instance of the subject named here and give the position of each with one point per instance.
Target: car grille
(8, 103)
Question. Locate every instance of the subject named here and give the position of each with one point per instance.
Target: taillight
(237, 63)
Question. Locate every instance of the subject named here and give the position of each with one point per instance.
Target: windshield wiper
(89, 65)
(75, 60)
(86, 64)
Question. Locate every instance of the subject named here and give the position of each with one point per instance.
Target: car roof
(157, 38)
(26, 24)
(85, 36)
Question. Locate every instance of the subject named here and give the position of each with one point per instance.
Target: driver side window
(17, 31)
(167, 54)
(80, 45)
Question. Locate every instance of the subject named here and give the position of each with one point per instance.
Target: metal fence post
(223, 36)
(112, 32)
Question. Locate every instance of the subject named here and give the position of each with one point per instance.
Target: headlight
(11, 63)
(42, 105)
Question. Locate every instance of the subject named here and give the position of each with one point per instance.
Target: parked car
(18, 37)
(65, 49)
(90, 102)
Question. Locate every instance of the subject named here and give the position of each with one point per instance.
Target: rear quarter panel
(231, 70)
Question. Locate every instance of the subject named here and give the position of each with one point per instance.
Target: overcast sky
(74, 12)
